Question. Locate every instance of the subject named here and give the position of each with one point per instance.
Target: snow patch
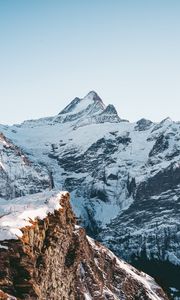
(19, 212)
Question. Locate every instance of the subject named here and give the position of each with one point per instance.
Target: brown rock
(55, 260)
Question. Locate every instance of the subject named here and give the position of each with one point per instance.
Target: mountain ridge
(123, 177)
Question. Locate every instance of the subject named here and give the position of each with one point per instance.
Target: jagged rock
(143, 124)
(54, 259)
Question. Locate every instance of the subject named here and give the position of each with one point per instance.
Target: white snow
(19, 212)
(170, 256)
(82, 105)
(174, 289)
(105, 212)
(131, 159)
(3, 247)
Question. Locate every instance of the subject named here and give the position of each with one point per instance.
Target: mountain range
(124, 179)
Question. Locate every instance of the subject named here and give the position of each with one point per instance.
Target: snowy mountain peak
(167, 120)
(124, 178)
(93, 96)
(110, 110)
(81, 112)
(88, 110)
(90, 103)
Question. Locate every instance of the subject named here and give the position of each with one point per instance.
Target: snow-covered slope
(18, 175)
(22, 211)
(124, 177)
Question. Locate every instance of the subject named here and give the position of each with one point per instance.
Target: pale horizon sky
(52, 51)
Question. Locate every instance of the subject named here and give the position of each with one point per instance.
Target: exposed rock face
(55, 260)
(5, 296)
(143, 124)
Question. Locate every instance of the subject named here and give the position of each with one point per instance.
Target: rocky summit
(124, 179)
(45, 255)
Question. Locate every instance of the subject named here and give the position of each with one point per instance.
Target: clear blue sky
(53, 50)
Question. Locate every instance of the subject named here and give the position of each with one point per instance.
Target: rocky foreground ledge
(45, 255)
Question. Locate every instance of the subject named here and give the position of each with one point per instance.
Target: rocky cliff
(45, 255)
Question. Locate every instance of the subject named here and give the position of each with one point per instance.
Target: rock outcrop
(53, 259)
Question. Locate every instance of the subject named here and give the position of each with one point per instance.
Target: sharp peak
(91, 98)
(110, 108)
(93, 95)
(167, 120)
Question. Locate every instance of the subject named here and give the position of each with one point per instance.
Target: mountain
(124, 179)
(45, 255)
(80, 112)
